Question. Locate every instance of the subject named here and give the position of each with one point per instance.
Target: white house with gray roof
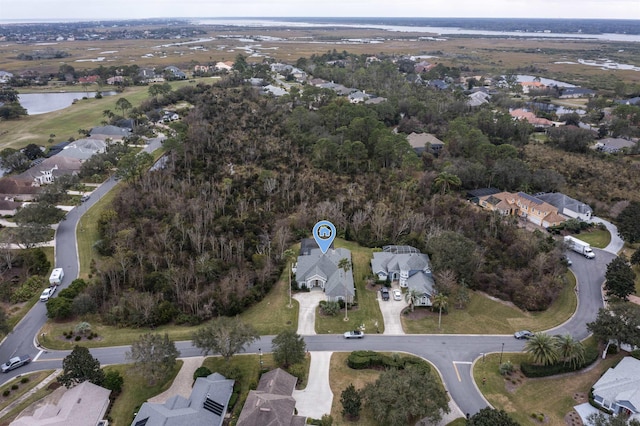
(409, 267)
(207, 405)
(619, 388)
(567, 205)
(318, 270)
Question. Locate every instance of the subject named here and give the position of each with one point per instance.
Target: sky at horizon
(36, 10)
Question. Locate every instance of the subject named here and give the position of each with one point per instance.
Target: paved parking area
(308, 301)
(391, 310)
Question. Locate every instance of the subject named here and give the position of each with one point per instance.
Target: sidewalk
(39, 386)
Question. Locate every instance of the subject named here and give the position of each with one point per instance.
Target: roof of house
(388, 262)
(422, 283)
(481, 192)
(576, 91)
(308, 244)
(337, 282)
(478, 98)
(614, 144)
(15, 185)
(521, 114)
(271, 404)
(621, 383)
(9, 205)
(274, 90)
(561, 202)
(630, 101)
(82, 405)
(83, 149)
(110, 131)
(59, 165)
(420, 140)
(207, 405)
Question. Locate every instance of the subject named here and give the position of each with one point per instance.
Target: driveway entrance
(391, 311)
(308, 301)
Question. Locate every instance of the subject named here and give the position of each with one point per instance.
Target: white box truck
(579, 246)
(56, 277)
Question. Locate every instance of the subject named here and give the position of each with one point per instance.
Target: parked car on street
(397, 294)
(523, 334)
(384, 292)
(354, 334)
(84, 198)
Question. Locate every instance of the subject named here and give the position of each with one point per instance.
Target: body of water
(41, 103)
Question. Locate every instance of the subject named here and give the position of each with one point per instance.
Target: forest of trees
(250, 175)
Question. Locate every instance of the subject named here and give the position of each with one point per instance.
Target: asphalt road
(453, 355)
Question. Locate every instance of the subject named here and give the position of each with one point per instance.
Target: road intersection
(452, 355)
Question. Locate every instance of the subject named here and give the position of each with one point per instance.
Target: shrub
(532, 370)
(6, 393)
(299, 371)
(83, 328)
(78, 338)
(68, 336)
(329, 308)
(506, 368)
(201, 372)
(113, 381)
(24, 380)
(636, 353)
(14, 387)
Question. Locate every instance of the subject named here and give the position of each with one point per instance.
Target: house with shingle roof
(207, 405)
(82, 405)
(49, 169)
(409, 267)
(272, 403)
(521, 114)
(618, 389)
(83, 149)
(614, 145)
(320, 270)
(567, 205)
(523, 205)
(425, 141)
(113, 132)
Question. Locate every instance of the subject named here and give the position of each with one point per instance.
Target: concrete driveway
(315, 400)
(616, 243)
(308, 301)
(391, 311)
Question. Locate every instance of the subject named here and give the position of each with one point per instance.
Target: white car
(354, 334)
(48, 293)
(397, 294)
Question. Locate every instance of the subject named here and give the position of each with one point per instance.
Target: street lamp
(501, 351)
(260, 353)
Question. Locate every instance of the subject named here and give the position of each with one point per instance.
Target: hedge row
(531, 370)
(360, 360)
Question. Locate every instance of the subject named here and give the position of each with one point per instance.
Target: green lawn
(135, 391)
(598, 238)
(367, 312)
(520, 396)
(484, 315)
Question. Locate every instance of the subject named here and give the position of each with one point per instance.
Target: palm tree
(410, 297)
(288, 255)
(345, 265)
(542, 348)
(570, 350)
(441, 302)
(445, 181)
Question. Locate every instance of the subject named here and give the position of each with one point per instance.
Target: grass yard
(599, 238)
(34, 379)
(367, 312)
(135, 391)
(527, 396)
(484, 315)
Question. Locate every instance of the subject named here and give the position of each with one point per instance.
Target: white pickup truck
(15, 362)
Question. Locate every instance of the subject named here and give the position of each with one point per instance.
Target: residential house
(357, 97)
(90, 79)
(83, 405)
(18, 188)
(478, 98)
(316, 269)
(576, 92)
(9, 207)
(409, 267)
(614, 145)
(272, 403)
(618, 389)
(438, 84)
(83, 149)
(46, 171)
(521, 114)
(201, 69)
(422, 66)
(227, 65)
(274, 90)
(425, 141)
(527, 86)
(207, 405)
(112, 132)
(475, 194)
(170, 116)
(5, 76)
(523, 205)
(148, 75)
(630, 101)
(175, 72)
(118, 79)
(567, 205)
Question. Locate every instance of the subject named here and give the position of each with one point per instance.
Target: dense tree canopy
(80, 366)
(153, 355)
(225, 336)
(620, 279)
(629, 222)
(288, 348)
(620, 322)
(491, 417)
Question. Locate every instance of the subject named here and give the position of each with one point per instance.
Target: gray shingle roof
(207, 405)
(561, 201)
(326, 266)
(621, 383)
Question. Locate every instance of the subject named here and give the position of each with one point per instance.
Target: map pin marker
(324, 233)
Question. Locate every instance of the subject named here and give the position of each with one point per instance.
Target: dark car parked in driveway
(384, 292)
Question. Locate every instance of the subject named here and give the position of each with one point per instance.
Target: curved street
(453, 355)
